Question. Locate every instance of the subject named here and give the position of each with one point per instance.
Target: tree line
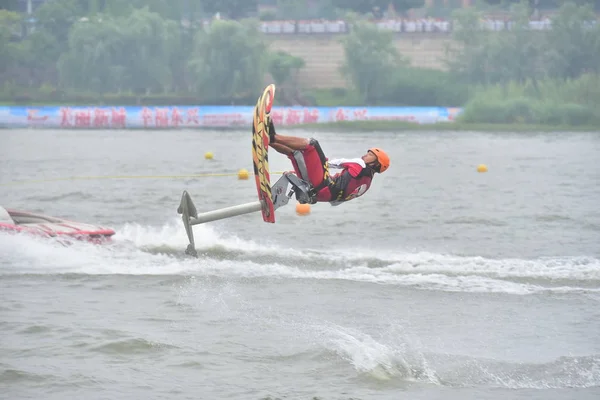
(149, 47)
(118, 49)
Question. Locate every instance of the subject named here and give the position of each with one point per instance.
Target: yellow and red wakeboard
(260, 151)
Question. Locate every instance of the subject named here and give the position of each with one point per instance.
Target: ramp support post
(190, 216)
(228, 212)
(288, 185)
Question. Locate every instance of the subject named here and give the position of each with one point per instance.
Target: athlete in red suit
(311, 165)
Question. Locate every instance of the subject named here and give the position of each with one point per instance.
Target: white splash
(143, 250)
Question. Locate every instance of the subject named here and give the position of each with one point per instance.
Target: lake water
(439, 283)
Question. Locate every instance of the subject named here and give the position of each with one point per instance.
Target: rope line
(74, 178)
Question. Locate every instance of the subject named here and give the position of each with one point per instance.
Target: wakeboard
(260, 151)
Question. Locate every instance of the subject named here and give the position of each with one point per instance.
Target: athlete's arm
(353, 165)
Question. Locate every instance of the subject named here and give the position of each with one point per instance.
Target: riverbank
(378, 126)
(340, 119)
(396, 126)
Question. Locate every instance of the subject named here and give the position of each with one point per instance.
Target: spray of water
(147, 250)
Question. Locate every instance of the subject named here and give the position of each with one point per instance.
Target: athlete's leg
(290, 142)
(280, 148)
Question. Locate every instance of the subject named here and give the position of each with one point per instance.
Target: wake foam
(391, 354)
(146, 250)
(402, 359)
(379, 360)
(564, 372)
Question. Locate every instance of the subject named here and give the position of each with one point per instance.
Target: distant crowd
(395, 25)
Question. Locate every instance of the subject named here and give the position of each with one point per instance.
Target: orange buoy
(302, 209)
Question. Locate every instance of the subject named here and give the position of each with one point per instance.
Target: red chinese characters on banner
(100, 118)
(65, 117)
(453, 113)
(292, 117)
(360, 115)
(147, 117)
(176, 117)
(83, 118)
(193, 116)
(169, 117)
(161, 117)
(277, 117)
(97, 118)
(118, 118)
(34, 118)
(340, 115)
(311, 116)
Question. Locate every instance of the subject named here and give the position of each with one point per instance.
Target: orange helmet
(382, 158)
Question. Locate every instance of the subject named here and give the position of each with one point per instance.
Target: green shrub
(548, 113)
(550, 102)
(334, 97)
(577, 114)
(529, 111)
(267, 15)
(33, 97)
(282, 66)
(482, 111)
(425, 88)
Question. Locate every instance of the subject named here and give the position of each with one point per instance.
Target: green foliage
(47, 95)
(367, 6)
(267, 15)
(335, 97)
(9, 25)
(235, 9)
(10, 53)
(573, 46)
(119, 54)
(424, 87)
(370, 59)
(571, 102)
(282, 65)
(299, 9)
(144, 51)
(547, 77)
(174, 9)
(56, 18)
(529, 111)
(546, 4)
(9, 5)
(492, 57)
(293, 9)
(382, 76)
(570, 48)
(229, 59)
(35, 57)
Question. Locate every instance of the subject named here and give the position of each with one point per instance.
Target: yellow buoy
(208, 155)
(302, 209)
(243, 174)
(481, 168)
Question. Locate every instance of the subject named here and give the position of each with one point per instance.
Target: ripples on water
(452, 284)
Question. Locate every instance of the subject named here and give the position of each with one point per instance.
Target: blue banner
(172, 117)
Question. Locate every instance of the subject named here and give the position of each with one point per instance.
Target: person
(311, 165)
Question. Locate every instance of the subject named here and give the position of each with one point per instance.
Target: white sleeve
(337, 162)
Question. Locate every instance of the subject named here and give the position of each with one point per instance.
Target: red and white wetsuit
(351, 182)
